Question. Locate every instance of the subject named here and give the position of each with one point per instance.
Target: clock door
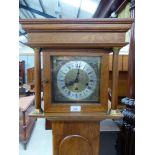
(75, 80)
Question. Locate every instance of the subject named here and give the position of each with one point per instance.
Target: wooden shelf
(76, 116)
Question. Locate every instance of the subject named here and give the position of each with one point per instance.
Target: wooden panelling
(75, 38)
(120, 62)
(75, 144)
(123, 74)
(76, 138)
(125, 62)
(122, 87)
(30, 75)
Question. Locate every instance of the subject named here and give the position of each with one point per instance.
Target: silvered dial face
(76, 80)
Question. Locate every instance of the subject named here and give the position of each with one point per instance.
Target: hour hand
(70, 83)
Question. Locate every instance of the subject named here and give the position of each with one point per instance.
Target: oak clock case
(75, 38)
(76, 77)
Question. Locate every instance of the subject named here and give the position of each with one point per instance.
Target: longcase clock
(76, 73)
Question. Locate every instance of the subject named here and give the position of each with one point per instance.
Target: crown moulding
(48, 25)
(81, 33)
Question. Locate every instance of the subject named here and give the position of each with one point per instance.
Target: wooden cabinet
(22, 71)
(123, 75)
(122, 64)
(26, 123)
(30, 75)
(31, 78)
(125, 63)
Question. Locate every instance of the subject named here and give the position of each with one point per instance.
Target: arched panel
(75, 145)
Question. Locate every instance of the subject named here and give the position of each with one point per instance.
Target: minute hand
(77, 76)
(74, 81)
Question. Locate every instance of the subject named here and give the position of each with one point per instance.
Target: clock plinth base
(72, 138)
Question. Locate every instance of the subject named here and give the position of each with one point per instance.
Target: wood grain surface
(50, 106)
(76, 138)
(68, 33)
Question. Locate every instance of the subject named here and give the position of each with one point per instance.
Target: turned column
(115, 76)
(37, 75)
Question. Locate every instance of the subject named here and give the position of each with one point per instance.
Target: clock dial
(76, 79)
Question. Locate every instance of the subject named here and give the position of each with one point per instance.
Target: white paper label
(75, 108)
